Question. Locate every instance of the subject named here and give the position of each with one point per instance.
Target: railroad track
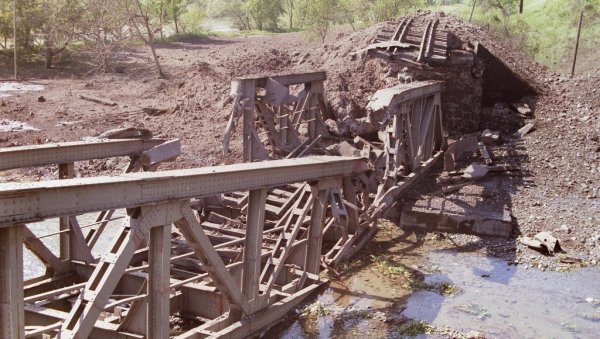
(425, 40)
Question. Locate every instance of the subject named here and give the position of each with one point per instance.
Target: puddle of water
(495, 299)
(505, 301)
(8, 88)
(15, 126)
(32, 267)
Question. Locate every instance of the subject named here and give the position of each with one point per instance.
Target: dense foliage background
(46, 28)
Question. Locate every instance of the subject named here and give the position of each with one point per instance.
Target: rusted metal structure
(224, 281)
(285, 111)
(212, 252)
(411, 137)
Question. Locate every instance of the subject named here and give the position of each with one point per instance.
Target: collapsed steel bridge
(221, 251)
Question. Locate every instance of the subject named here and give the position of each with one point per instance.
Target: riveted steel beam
(67, 152)
(26, 202)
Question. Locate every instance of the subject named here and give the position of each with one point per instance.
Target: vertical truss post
(159, 255)
(255, 222)
(65, 171)
(313, 107)
(249, 88)
(350, 196)
(101, 284)
(211, 261)
(315, 235)
(11, 282)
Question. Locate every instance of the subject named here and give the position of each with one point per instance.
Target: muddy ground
(558, 183)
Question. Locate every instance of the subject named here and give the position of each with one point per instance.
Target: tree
(143, 20)
(192, 19)
(382, 10)
(6, 19)
(175, 9)
(235, 9)
(59, 26)
(265, 13)
(320, 15)
(290, 12)
(104, 29)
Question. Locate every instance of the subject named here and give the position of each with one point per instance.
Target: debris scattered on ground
(490, 137)
(97, 100)
(127, 133)
(524, 130)
(475, 171)
(543, 241)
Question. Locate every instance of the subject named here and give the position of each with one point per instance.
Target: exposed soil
(559, 160)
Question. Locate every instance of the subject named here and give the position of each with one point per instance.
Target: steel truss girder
(253, 304)
(277, 112)
(78, 196)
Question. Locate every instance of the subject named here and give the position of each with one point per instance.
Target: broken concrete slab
(439, 219)
(485, 154)
(345, 149)
(523, 109)
(524, 130)
(475, 171)
(457, 149)
(542, 241)
(490, 137)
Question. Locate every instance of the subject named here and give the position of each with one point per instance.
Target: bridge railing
(231, 281)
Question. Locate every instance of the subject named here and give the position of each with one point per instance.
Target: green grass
(315, 310)
(184, 37)
(414, 328)
(548, 29)
(391, 268)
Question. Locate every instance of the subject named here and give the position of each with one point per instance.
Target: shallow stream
(494, 300)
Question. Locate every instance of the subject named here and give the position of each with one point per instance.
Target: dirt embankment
(559, 160)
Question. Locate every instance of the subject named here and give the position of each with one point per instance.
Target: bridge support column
(65, 171)
(159, 255)
(253, 243)
(315, 232)
(11, 282)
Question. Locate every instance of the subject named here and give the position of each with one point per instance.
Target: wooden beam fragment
(97, 100)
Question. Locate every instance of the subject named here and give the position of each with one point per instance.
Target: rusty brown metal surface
(221, 251)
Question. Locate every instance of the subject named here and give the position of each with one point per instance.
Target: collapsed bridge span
(217, 251)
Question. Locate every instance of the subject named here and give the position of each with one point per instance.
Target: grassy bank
(546, 30)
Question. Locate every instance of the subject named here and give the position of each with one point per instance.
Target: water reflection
(497, 300)
(32, 267)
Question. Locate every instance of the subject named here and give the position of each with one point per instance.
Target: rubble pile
(479, 74)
